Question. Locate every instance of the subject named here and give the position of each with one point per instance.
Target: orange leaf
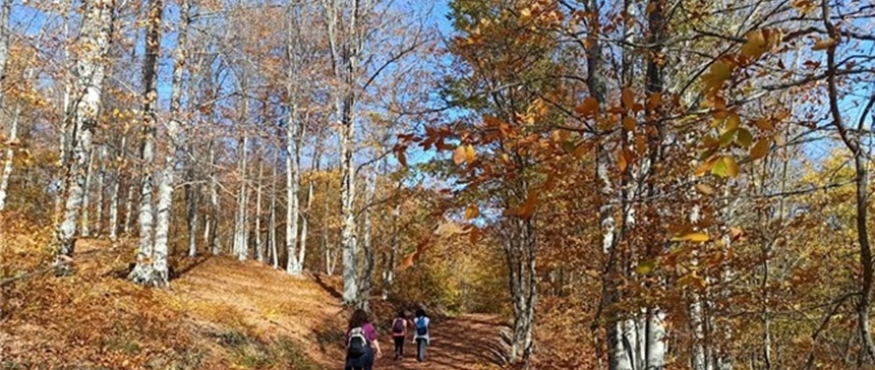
(760, 149)
(654, 100)
(692, 237)
(629, 123)
(588, 108)
(628, 98)
(474, 235)
(408, 261)
(755, 46)
(469, 154)
(471, 212)
(705, 189)
(823, 44)
(460, 154)
(402, 159)
(707, 166)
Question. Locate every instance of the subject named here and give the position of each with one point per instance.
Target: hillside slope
(219, 313)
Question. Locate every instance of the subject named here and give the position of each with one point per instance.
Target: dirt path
(467, 342)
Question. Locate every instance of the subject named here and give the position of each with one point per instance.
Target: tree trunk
(259, 242)
(389, 273)
(368, 270)
(151, 267)
(294, 266)
(85, 230)
(213, 239)
(101, 182)
(129, 204)
(326, 246)
(241, 249)
(272, 222)
(95, 31)
(116, 188)
(10, 153)
(861, 182)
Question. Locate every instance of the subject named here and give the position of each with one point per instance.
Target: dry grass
(220, 314)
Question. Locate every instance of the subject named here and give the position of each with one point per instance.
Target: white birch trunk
(294, 266)
(114, 194)
(240, 247)
(129, 206)
(85, 231)
(9, 157)
(272, 222)
(368, 270)
(213, 239)
(151, 267)
(101, 182)
(259, 242)
(95, 31)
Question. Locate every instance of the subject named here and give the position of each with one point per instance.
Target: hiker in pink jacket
(399, 332)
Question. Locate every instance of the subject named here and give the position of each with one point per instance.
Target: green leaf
(645, 267)
(744, 138)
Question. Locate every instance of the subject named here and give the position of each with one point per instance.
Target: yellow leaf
(732, 122)
(823, 44)
(707, 166)
(760, 149)
(469, 154)
(471, 212)
(645, 267)
(725, 167)
(705, 189)
(460, 154)
(755, 46)
(764, 124)
(692, 237)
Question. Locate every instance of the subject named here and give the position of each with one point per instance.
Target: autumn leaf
(469, 154)
(460, 154)
(760, 149)
(628, 98)
(692, 237)
(629, 123)
(654, 100)
(705, 189)
(707, 166)
(621, 160)
(692, 279)
(408, 261)
(588, 108)
(474, 235)
(725, 167)
(744, 138)
(645, 267)
(472, 212)
(823, 44)
(402, 159)
(755, 46)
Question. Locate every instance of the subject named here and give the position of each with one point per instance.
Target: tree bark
(862, 186)
(85, 230)
(259, 242)
(10, 153)
(294, 266)
(151, 267)
(241, 249)
(101, 182)
(272, 222)
(214, 240)
(96, 30)
(368, 269)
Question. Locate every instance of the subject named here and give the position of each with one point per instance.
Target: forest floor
(218, 313)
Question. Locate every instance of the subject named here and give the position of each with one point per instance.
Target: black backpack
(355, 347)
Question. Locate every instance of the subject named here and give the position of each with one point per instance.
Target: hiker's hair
(400, 313)
(420, 313)
(359, 318)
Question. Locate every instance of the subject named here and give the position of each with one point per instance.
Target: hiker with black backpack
(399, 332)
(421, 335)
(361, 342)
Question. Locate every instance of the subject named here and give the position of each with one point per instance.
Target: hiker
(421, 334)
(361, 342)
(399, 332)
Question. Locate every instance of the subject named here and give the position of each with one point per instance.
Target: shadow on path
(466, 343)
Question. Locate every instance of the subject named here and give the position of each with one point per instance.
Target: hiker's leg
(420, 349)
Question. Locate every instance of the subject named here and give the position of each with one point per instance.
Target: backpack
(398, 326)
(355, 347)
(421, 326)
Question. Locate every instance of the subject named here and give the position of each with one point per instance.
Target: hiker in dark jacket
(361, 342)
(399, 332)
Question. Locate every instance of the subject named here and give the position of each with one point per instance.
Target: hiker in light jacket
(421, 334)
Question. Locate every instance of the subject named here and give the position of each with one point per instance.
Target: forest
(619, 185)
